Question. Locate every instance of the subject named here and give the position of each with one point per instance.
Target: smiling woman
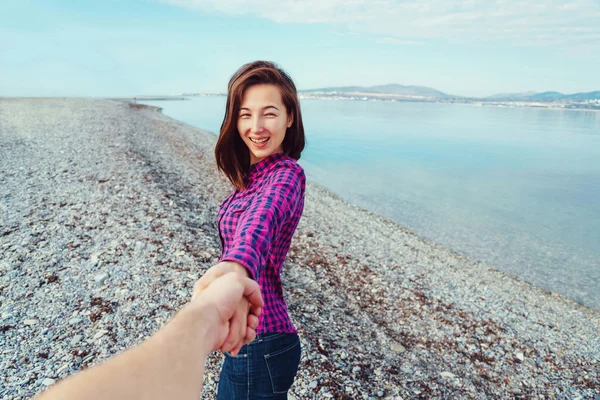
(260, 142)
(262, 102)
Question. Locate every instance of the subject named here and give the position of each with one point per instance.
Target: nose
(257, 125)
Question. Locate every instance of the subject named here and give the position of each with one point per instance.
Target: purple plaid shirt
(256, 226)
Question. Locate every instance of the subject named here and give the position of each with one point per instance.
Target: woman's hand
(245, 317)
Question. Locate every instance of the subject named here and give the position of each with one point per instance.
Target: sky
(110, 48)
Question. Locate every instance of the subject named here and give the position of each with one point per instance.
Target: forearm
(168, 365)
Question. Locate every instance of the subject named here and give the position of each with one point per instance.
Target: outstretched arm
(170, 364)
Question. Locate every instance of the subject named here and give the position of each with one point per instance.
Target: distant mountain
(584, 96)
(392, 89)
(501, 96)
(427, 93)
(546, 96)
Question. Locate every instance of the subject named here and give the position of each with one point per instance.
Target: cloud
(523, 23)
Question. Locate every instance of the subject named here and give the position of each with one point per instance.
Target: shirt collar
(265, 164)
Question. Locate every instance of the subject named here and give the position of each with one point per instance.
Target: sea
(517, 187)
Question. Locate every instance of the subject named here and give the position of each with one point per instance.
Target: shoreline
(399, 98)
(381, 312)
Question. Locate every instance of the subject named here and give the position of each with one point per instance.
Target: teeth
(259, 141)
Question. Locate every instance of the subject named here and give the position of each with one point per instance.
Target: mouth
(259, 141)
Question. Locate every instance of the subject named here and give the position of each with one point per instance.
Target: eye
(244, 115)
(270, 115)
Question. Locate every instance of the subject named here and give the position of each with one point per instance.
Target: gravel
(108, 216)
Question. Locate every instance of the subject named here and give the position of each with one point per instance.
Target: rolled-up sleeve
(261, 223)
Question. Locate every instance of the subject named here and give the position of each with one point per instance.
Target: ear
(290, 120)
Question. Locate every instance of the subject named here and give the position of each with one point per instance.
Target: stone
(99, 334)
(48, 381)
(313, 384)
(447, 374)
(87, 358)
(355, 370)
(76, 339)
(94, 258)
(30, 322)
(61, 369)
(100, 278)
(397, 348)
(75, 320)
(519, 356)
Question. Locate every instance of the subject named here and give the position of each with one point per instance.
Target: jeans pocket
(283, 366)
(235, 369)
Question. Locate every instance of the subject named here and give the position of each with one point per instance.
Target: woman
(261, 138)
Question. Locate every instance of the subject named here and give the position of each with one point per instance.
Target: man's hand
(170, 364)
(235, 303)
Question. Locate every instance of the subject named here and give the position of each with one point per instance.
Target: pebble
(30, 322)
(520, 356)
(94, 258)
(447, 374)
(61, 369)
(87, 358)
(76, 339)
(100, 278)
(99, 334)
(48, 381)
(313, 384)
(397, 348)
(75, 320)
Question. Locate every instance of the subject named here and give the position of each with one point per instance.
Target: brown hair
(231, 153)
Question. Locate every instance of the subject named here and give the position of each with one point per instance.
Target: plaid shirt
(256, 226)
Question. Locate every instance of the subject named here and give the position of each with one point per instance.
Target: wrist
(238, 268)
(200, 321)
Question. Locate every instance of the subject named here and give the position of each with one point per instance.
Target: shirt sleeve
(262, 221)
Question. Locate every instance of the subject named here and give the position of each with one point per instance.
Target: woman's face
(263, 121)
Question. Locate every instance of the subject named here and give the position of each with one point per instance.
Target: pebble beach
(108, 216)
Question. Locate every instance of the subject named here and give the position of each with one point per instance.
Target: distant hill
(392, 89)
(433, 94)
(502, 96)
(546, 96)
(584, 96)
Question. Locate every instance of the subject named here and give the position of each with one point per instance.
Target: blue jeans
(264, 368)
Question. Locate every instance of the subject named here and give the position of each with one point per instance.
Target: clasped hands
(235, 301)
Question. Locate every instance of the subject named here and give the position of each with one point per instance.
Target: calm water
(517, 187)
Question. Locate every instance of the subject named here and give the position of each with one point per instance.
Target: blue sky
(144, 47)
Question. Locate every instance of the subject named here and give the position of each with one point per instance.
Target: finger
(201, 284)
(252, 292)
(242, 332)
(237, 349)
(206, 279)
(250, 334)
(234, 328)
(255, 311)
(252, 321)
